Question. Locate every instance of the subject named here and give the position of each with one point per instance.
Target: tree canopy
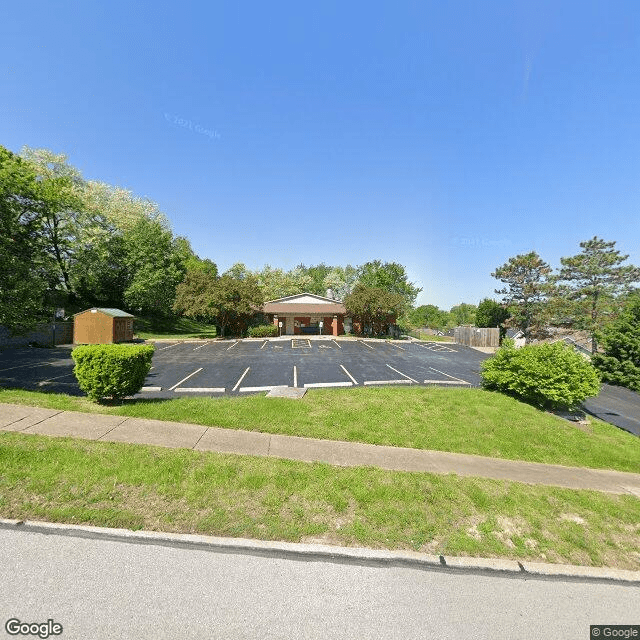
(526, 277)
(620, 362)
(226, 300)
(594, 280)
(373, 307)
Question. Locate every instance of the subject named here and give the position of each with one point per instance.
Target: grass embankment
(459, 420)
(175, 329)
(117, 485)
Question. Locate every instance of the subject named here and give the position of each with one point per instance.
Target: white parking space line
(370, 382)
(295, 376)
(169, 347)
(264, 344)
(30, 365)
(446, 382)
(249, 389)
(397, 346)
(202, 345)
(365, 344)
(352, 378)
(449, 376)
(200, 390)
(312, 385)
(185, 379)
(336, 343)
(241, 378)
(402, 374)
(150, 389)
(64, 375)
(235, 344)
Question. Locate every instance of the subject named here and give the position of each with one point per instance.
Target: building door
(289, 325)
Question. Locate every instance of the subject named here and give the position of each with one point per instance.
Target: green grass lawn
(133, 486)
(459, 420)
(176, 329)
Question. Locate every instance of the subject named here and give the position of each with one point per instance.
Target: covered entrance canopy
(307, 313)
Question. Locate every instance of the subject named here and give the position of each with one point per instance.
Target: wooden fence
(474, 337)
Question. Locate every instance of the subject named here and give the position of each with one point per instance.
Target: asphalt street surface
(238, 367)
(112, 590)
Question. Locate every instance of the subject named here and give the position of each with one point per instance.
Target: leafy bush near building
(546, 375)
(263, 331)
(620, 362)
(111, 370)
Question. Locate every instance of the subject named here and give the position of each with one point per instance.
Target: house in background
(307, 313)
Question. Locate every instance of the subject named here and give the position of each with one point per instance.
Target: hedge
(546, 375)
(263, 331)
(111, 370)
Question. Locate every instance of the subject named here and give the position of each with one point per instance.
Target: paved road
(114, 590)
(618, 406)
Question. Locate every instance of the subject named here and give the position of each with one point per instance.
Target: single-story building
(102, 326)
(308, 313)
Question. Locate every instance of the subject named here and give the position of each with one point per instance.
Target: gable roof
(307, 298)
(114, 313)
(305, 303)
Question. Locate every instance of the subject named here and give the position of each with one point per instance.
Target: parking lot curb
(327, 553)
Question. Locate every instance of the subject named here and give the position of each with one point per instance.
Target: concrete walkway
(109, 428)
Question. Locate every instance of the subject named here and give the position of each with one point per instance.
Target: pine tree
(527, 277)
(595, 279)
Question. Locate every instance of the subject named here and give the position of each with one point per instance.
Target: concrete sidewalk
(109, 428)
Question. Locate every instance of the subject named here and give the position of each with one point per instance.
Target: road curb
(328, 553)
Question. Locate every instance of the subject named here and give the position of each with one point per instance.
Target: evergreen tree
(595, 279)
(620, 363)
(528, 287)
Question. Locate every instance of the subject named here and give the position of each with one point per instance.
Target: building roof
(305, 304)
(114, 313)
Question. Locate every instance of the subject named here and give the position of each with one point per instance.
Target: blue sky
(444, 136)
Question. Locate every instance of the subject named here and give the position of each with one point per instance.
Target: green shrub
(546, 375)
(620, 362)
(263, 331)
(111, 370)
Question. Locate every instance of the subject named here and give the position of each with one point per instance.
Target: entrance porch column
(334, 325)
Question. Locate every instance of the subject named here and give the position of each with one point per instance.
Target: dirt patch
(572, 517)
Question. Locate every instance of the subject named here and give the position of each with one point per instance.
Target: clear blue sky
(447, 136)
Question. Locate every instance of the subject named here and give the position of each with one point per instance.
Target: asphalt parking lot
(240, 367)
(251, 366)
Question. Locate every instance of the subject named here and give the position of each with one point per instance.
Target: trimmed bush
(111, 370)
(546, 375)
(263, 331)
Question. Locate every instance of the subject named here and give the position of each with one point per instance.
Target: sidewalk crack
(200, 438)
(57, 413)
(115, 426)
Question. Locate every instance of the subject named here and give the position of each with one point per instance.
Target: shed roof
(114, 313)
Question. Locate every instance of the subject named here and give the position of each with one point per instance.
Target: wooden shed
(102, 326)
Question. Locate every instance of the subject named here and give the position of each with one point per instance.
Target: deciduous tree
(492, 314)
(22, 254)
(229, 301)
(391, 277)
(373, 307)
